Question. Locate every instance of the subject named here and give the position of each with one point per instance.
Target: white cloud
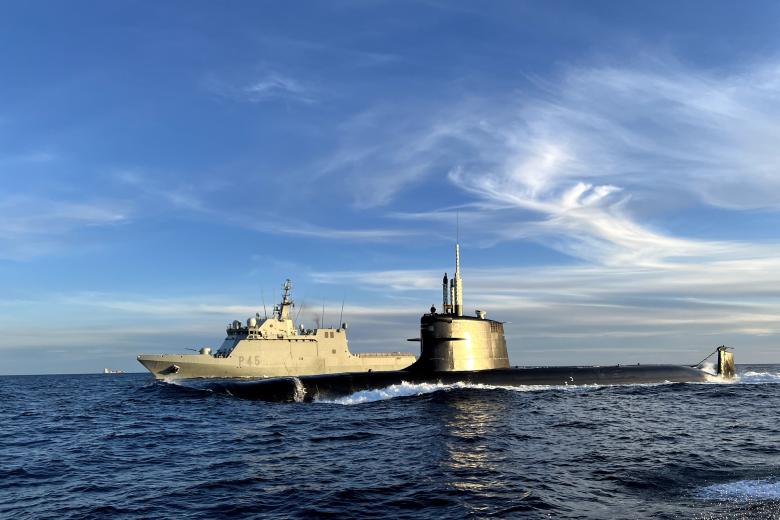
(579, 166)
(32, 226)
(383, 151)
(41, 156)
(181, 195)
(309, 230)
(209, 199)
(276, 85)
(269, 86)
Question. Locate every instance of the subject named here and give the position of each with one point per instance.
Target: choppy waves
(78, 447)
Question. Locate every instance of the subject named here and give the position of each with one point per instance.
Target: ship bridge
(280, 325)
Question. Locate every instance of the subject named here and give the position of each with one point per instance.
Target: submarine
(455, 348)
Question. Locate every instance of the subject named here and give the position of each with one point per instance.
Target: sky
(614, 167)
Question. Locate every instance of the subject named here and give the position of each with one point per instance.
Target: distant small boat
(112, 371)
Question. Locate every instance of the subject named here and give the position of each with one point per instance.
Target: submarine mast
(458, 292)
(445, 306)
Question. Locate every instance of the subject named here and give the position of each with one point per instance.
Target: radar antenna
(284, 307)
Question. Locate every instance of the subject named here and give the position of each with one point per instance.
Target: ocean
(125, 446)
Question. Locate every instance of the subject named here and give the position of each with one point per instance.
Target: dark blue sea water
(124, 446)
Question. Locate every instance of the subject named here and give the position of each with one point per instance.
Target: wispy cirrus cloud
(182, 195)
(581, 157)
(208, 200)
(580, 164)
(276, 85)
(382, 151)
(41, 156)
(269, 86)
(31, 226)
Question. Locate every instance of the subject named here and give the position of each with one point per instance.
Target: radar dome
(251, 322)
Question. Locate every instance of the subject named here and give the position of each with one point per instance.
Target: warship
(273, 347)
(455, 348)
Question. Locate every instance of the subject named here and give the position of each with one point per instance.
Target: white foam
(755, 378)
(406, 389)
(187, 383)
(300, 391)
(708, 365)
(741, 491)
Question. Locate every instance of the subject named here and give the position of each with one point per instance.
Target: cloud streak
(583, 164)
(270, 86)
(31, 226)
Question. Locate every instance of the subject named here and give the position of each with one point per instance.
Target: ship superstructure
(272, 347)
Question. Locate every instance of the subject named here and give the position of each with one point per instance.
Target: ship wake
(406, 389)
(756, 378)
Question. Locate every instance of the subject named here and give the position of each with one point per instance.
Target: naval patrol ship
(274, 347)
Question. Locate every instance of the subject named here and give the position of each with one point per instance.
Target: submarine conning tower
(450, 341)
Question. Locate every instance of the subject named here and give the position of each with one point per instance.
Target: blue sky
(615, 166)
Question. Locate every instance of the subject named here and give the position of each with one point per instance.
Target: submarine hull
(334, 386)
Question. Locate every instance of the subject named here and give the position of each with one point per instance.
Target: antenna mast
(284, 307)
(445, 306)
(457, 295)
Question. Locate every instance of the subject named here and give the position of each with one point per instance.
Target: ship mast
(284, 307)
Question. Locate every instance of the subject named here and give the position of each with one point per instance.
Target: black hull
(309, 388)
